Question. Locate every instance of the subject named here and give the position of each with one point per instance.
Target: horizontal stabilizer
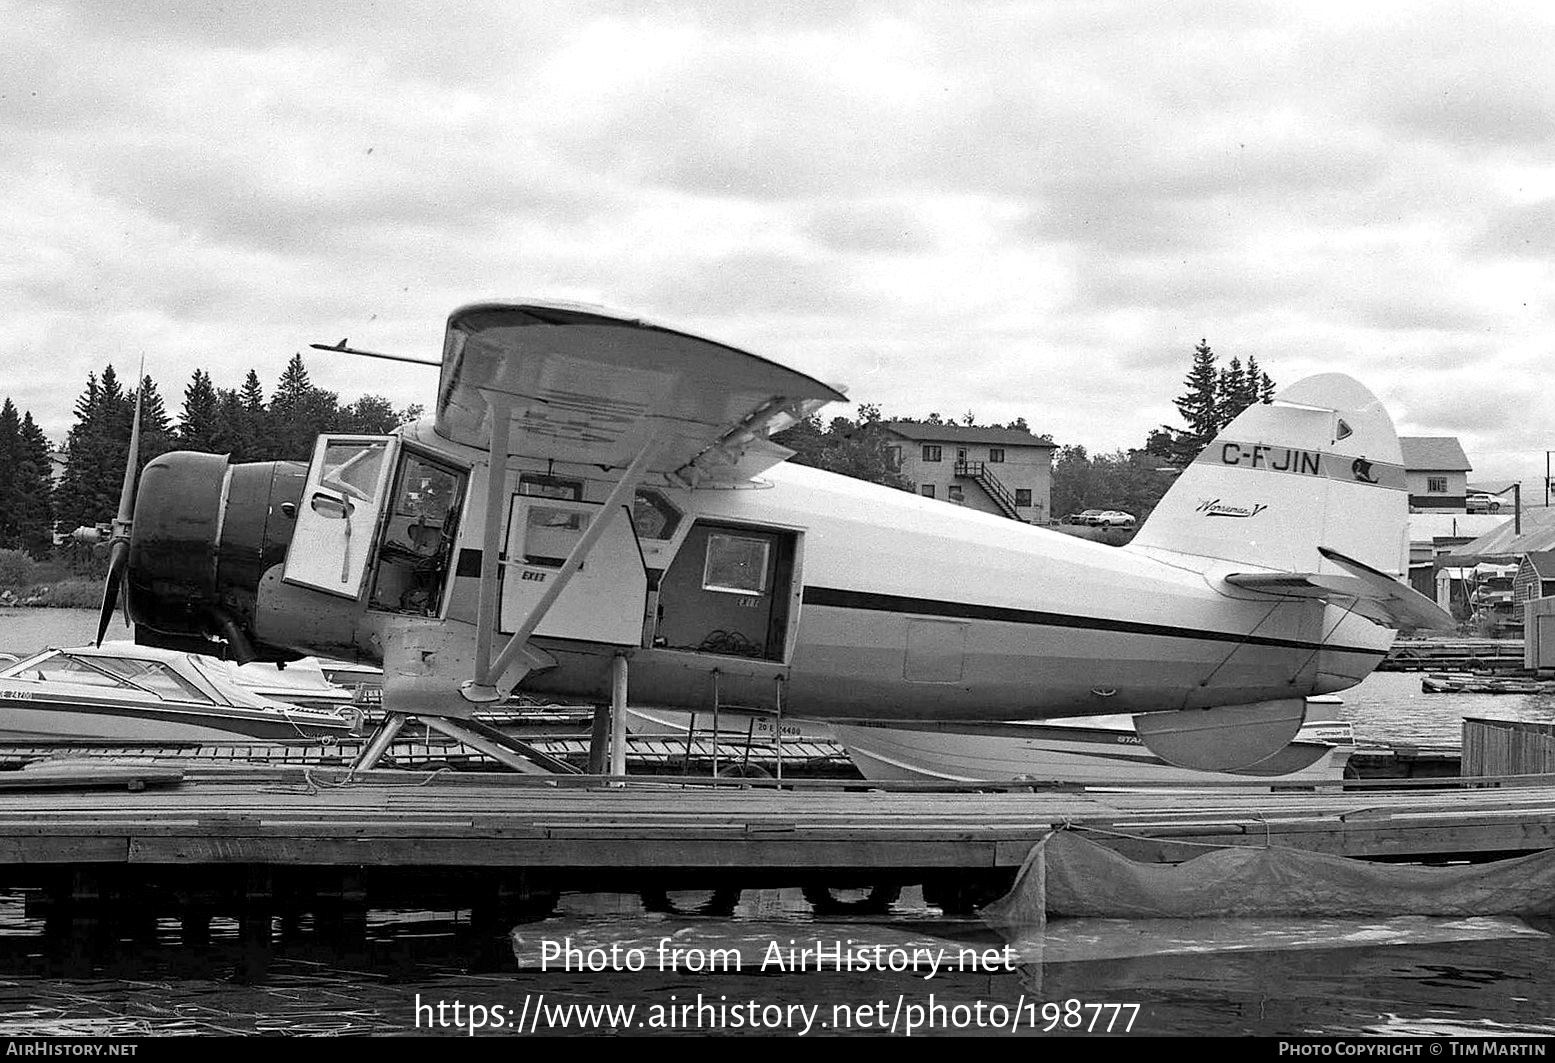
(1375, 594)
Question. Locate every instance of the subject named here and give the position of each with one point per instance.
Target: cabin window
(1437, 485)
(927, 490)
(931, 453)
(1023, 496)
(550, 533)
(654, 516)
(995, 455)
(736, 564)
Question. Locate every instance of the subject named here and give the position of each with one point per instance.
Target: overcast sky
(1020, 209)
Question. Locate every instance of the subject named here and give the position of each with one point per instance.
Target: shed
(1535, 576)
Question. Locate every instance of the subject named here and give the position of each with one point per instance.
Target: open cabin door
(605, 600)
(730, 591)
(337, 519)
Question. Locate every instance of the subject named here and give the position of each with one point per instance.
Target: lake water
(1317, 976)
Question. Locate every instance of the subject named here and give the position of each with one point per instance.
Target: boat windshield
(120, 672)
(154, 676)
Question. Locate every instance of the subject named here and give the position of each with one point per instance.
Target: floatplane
(595, 509)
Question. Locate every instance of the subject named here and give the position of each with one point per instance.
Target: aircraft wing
(588, 388)
(1374, 594)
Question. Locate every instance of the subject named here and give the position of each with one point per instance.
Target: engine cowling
(204, 533)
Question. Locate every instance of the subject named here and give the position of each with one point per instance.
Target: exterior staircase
(979, 473)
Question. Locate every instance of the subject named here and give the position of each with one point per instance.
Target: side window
(927, 490)
(353, 468)
(1023, 496)
(653, 515)
(931, 453)
(550, 534)
(736, 564)
(995, 455)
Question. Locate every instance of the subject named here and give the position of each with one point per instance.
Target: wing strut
(483, 689)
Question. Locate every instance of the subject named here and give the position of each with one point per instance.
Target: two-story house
(1007, 471)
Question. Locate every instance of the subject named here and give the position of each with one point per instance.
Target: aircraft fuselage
(870, 603)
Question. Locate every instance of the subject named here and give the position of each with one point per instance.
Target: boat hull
(35, 716)
(1100, 756)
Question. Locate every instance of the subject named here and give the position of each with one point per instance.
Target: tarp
(1068, 875)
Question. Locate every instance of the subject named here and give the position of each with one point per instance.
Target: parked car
(1480, 502)
(1085, 516)
(1112, 518)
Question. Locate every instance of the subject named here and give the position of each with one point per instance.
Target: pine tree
(94, 470)
(197, 424)
(1230, 393)
(156, 428)
(10, 457)
(294, 384)
(229, 432)
(252, 395)
(1265, 388)
(252, 427)
(299, 413)
(1198, 406)
(1250, 392)
(1259, 388)
(34, 488)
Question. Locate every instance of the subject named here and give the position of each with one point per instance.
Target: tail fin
(1319, 467)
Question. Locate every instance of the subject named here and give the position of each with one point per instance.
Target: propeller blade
(127, 493)
(119, 548)
(118, 561)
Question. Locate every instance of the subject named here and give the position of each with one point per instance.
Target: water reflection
(1314, 976)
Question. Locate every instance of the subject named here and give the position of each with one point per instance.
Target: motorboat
(1096, 751)
(123, 692)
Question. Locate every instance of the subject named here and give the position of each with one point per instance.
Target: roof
(957, 433)
(1434, 453)
(1543, 562)
(1538, 535)
(1424, 527)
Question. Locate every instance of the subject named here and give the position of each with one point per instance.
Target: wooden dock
(1454, 655)
(260, 841)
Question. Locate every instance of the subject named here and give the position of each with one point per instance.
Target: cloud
(1026, 209)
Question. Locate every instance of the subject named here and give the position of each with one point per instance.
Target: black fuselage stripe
(891, 603)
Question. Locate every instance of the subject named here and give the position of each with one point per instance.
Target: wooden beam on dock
(388, 820)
